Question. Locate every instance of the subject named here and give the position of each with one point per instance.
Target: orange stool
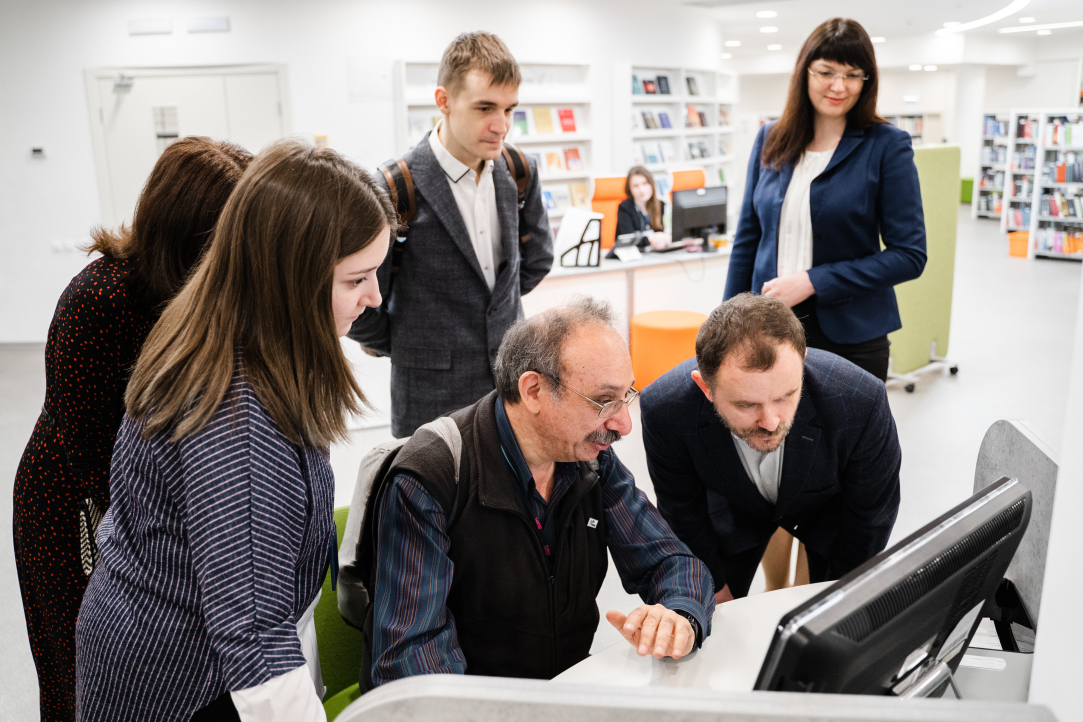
(660, 340)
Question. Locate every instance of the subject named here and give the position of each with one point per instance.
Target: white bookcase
(987, 200)
(1024, 134)
(1058, 180)
(552, 86)
(699, 112)
(922, 127)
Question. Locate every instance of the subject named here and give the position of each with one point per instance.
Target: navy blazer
(839, 491)
(868, 191)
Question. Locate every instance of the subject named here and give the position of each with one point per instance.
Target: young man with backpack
(486, 535)
(476, 238)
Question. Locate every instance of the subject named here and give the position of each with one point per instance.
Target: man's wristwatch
(695, 627)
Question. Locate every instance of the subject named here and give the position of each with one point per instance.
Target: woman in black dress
(100, 323)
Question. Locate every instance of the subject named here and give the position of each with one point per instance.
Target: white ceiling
(896, 20)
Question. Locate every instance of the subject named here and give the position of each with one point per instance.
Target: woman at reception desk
(642, 210)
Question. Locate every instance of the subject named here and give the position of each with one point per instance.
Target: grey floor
(1012, 324)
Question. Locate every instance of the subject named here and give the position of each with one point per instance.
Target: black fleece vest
(517, 613)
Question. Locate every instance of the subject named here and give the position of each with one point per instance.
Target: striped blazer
(211, 550)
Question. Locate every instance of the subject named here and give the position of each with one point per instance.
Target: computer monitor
(899, 623)
(696, 211)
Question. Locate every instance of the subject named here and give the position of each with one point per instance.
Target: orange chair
(686, 179)
(608, 193)
(660, 340)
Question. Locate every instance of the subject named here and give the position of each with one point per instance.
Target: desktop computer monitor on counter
(697, 212)
(899, 624)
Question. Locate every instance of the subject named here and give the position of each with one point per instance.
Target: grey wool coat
(439, 322)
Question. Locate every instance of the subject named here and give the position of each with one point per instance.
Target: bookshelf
(1057, 224)
(691, 126)
(922, 127)
(1024, 133)
(988, 200)
(553, 123)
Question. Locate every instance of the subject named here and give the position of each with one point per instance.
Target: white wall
(46, 44)
(1046, 84)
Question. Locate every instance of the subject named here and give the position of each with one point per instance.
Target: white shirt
(795, 224)
(477, 205)
(765, 469)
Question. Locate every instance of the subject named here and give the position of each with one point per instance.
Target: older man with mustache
(758, 433)
(495, 569)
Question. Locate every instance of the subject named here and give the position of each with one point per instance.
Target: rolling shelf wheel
(954, 370)
(909, 388)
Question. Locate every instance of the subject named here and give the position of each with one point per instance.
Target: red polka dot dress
(62, 485)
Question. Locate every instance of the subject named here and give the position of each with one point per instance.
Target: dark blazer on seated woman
(630, 220)
(868, 191)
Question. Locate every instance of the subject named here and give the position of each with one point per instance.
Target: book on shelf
(637, 86)
(1026, 128)
(995, 128)
(702, 118)
(663, 119)
(704, 152)
(547, 198)
(1064, 130)
(562, 197)
(663, 185)
(1066, 168)
(663, 84)
(693, 150)
(536, 157)
(649, 87)
(693, 85)
(554, 162)
(665, 151)
(543, 120)
(1052, 240)
(637, 154)
(579, 194)
(994, 155)
(572, 159)
(648, 120)
(650, 154)
(723, 118)
(693, 120)
(721, 176)
(567, 120)
(723, 147)
(519, 125)
(635, 121)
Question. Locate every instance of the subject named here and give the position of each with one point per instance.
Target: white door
(139, 112)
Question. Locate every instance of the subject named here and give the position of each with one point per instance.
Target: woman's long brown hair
(263, 290)
(840, 41)
(654, 205)
(175, 215)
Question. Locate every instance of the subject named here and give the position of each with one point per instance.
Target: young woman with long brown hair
(221, 526)
(825, 183)
(642, 209)
(101, 321)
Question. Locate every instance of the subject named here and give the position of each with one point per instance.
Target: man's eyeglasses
(852, 80)
(606, 410)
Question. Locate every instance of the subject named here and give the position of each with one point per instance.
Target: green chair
(340, 644)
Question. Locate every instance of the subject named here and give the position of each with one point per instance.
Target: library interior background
(991, 94)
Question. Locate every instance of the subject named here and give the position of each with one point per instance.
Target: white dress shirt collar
(454, 168)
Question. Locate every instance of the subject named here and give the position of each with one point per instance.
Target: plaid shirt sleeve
(413, 632)
(651, 560)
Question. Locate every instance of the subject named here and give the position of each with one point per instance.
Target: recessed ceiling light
(915, 67)
(769, 29)
(733, 43)
(1027, 20)
(767, 14)
(774, 47)
(726, 56)
(930, 68)
(952, 24)
(1045, 32)
(879, 39)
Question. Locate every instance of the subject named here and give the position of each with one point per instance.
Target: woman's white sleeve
(290, 697)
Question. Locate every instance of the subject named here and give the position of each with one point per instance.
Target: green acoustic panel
(966, 186)
(925, 302)
(340, 644)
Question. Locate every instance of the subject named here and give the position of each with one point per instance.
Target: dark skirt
(871, 355)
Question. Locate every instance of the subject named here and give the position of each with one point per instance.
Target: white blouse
(795, 225)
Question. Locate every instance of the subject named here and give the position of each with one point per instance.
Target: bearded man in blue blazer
(757, 432)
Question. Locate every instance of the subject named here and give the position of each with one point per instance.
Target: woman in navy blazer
(842, 286)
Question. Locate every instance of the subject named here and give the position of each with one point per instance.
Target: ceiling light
(733, 43)
(915, 67)
(768, 29)
(1026, 20)
(930, 68)
(1004, 12)
(952, 24)
(1045, 32)
(726, 56)
(774, 47)
(767, 14)
(879, 39)
(1047, 26)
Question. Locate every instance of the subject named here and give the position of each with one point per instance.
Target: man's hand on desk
(723, 595)
(655, 630)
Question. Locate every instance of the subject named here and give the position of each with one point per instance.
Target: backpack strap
(400, 186)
